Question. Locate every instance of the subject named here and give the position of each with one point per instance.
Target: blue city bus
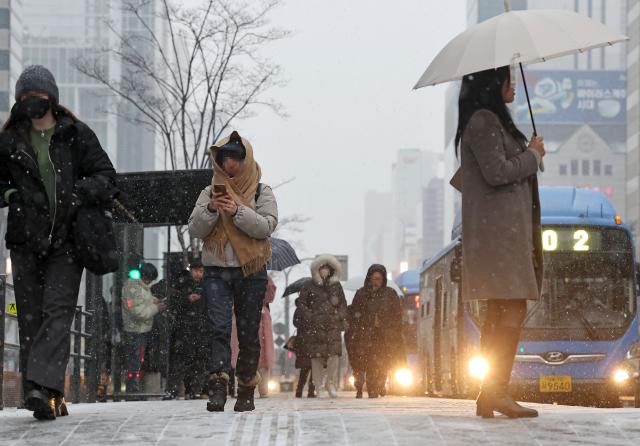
(579, 340)
(409, 284)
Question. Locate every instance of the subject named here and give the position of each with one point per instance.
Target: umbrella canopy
(296, 286)
(283, 255)
(516, 37)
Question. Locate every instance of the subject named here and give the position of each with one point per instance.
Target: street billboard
(573, 97)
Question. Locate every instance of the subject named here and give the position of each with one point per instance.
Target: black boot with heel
(494, 396)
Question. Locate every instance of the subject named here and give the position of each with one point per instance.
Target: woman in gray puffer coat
(321, 317)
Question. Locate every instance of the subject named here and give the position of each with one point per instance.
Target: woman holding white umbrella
(502, 261)
(500, 226)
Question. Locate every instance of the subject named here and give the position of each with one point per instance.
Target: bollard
(636, 399)
(77, 349)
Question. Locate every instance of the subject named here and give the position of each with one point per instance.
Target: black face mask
(35, 107)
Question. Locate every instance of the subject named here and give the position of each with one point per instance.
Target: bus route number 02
(551, 240)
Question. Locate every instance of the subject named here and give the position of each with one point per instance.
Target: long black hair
(483, 90)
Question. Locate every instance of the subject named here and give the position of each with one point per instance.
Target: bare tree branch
(189, 74)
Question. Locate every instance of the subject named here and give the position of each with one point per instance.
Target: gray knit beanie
(37, 78)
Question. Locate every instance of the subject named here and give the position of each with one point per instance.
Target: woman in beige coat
(501, 248)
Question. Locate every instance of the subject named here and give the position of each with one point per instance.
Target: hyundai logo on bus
(555, 356)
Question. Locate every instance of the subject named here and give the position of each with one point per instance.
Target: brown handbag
(291, 344)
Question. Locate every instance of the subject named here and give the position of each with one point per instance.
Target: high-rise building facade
(433, 218)
(58, 33)
(10, 52)
(377, 228)
(633, 115)
(10, 68)
(410, 175)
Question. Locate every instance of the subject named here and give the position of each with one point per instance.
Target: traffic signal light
(134, 273)
(133, 262)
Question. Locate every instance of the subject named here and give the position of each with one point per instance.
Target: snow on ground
(282, 420)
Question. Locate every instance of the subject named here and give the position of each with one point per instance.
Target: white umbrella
(517, 37)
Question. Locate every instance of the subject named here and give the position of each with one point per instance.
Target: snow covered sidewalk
(282, 420)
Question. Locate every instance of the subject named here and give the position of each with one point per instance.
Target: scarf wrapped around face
(252, 254)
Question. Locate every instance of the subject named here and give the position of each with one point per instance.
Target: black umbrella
(296, 286)
(283, 255)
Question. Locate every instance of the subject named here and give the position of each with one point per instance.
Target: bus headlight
(272, 386)
(404, 377)
(621, 376)
(352, 381)
(478, 367)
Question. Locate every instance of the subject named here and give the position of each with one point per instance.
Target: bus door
(437, 336)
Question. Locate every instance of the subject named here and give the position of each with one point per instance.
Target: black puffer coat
(189, 317)
(83, 173)
(368, 344)
(321, 313)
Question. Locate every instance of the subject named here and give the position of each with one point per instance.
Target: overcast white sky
(351, 66)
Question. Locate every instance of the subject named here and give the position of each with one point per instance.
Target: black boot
(311, 391)
(495, 390)
(245, 401)
(61, 407)
(41, 404)
(218, 383)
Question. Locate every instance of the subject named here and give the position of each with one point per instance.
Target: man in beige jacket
(138, 309)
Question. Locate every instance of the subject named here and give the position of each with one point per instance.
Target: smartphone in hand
(220, 189)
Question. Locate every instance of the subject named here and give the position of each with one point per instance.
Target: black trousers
(305, 374)
(187, 360)
(46, 289)
(375, 375)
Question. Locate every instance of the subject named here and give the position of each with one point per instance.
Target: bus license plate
(561, 384)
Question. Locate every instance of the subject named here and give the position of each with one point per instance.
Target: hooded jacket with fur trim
(321, 312)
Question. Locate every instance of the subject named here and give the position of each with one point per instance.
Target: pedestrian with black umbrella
(51, 163)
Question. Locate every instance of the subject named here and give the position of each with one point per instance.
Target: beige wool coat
(501, 231)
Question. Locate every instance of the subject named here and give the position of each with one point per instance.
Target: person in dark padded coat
(189, 346)
(374, 339)
(321, 317)
(50, 163)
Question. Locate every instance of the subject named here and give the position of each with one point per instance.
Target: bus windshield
(588, 290)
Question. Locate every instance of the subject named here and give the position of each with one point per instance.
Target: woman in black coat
(321, 317)
(50, 163)
(374, 339)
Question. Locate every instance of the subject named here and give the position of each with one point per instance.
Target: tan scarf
(252, 254)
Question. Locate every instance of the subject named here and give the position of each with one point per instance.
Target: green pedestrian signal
(134, 274)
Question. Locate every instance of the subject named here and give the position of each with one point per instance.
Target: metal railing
(83, 351)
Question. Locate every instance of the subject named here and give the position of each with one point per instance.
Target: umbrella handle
(533, 122)
(526, 92)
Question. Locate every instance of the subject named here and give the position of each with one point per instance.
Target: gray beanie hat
(37, 78)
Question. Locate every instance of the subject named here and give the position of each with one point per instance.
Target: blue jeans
(133, 343)
(226, 290)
